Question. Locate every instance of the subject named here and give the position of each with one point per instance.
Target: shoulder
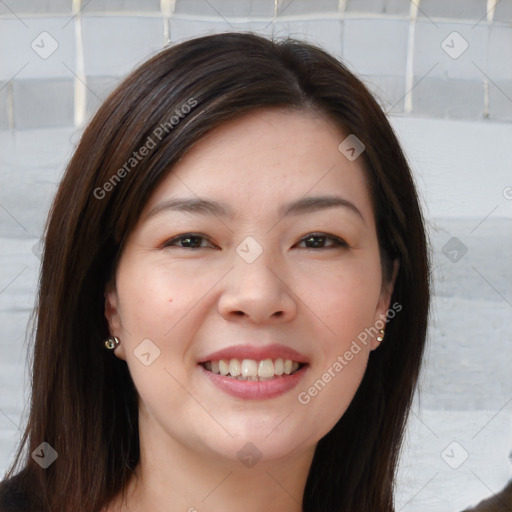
(13, 497)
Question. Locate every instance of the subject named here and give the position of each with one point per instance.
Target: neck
(171, 477)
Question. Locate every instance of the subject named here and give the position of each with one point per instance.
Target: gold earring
(381, 337)
(112, 342)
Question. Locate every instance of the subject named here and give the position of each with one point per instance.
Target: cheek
(344, 296)
(160, 303)
(154, 297)
(328, 394)
(154, 303)
(345, 299)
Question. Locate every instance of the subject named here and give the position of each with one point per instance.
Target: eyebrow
(298, 207)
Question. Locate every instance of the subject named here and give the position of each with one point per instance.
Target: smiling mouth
(253, 370)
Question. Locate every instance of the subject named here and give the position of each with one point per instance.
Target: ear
(384, 302)
(113, 317)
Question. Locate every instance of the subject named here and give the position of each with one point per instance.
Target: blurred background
(441, 69)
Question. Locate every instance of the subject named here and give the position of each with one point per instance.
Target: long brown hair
(83, 400)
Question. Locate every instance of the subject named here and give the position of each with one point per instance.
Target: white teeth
(279, 367)
(235, 368)
(266, 368)
(223, 367)
(250, 369)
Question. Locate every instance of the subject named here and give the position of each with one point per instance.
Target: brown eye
(317, 241)
(187, 241)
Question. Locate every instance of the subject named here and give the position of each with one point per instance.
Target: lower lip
(255, 389)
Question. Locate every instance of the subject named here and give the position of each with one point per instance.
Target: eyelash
(338, 242)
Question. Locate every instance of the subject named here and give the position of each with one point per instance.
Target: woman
(234, 293)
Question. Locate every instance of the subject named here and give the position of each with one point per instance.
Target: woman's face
(258, 283)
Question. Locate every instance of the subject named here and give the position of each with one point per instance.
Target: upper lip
(257, 353)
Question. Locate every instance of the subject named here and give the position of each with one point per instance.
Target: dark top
(12, 496)
(14, 499)
(501, 502)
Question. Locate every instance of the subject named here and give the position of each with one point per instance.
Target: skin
(191, 302)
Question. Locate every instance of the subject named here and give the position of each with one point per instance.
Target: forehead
(263, 159)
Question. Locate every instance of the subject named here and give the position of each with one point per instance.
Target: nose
(257, 291)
